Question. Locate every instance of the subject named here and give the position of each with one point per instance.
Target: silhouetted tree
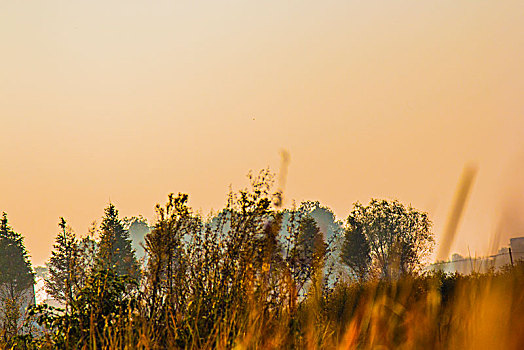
(87, 256)
(104, 302)
(355, 249)
(166, 256)
(63, 266)
(398, 238)
(16, 278)
(309, 250)
(114, 251)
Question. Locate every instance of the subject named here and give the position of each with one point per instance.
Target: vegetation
(63, 266)
(16, 278)
(258, 276)
(114, 250)
(387, 239)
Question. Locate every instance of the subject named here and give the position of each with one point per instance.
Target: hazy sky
(132, 100)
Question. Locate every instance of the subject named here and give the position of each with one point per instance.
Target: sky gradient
(130, 100)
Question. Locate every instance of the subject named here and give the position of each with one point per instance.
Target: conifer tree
(115, 251)
(63, 265)
(87, 256)
(16, 278)
(309, 251)
(356, 250)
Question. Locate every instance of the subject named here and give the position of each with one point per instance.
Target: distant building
(517, 248)
(463, 265)
(467, 265)
(501, 258)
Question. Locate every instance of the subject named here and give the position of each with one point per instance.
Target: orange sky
(131, 100)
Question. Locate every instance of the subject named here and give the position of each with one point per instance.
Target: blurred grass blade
(457, 209)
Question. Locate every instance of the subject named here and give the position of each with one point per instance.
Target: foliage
(398, 239)
(100, 311)
(356, 253)
(434, 311)
(255, 276)
(114, 251)
(231, 261)
(16, 279)
(166, 287)
(87, 256)
(307, 254)
(16, 270)
(63, 265)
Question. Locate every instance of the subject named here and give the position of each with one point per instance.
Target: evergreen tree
(308, 251)
(87, 256)
(356, 250)
(115, 251)
(16, 278)
(63, 265)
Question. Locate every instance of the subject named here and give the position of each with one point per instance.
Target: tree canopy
(63, 265)
(16, 272)
(16, 278)
(115, 251)
(388, 237)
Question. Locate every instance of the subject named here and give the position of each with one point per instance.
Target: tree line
(202, 279)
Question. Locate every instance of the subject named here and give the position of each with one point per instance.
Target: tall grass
(438, 311)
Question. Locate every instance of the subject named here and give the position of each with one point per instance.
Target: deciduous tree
(398, 238)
